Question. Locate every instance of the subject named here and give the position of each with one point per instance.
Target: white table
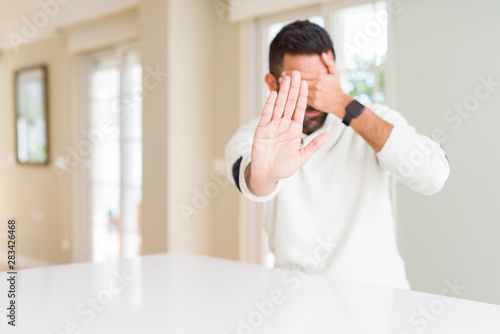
(180, 293)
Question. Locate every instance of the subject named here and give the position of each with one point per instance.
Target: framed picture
(31, 115)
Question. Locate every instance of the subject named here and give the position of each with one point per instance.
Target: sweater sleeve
(238, 155)
(415, 159)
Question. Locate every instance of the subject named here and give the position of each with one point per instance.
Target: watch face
(355, 108)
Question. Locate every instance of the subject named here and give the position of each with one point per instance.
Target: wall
(190, 125)
(226, 121)
(443, 48)
(187, 206)
(153, 44)
(33, 194)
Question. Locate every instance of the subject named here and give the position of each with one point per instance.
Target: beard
(312, 120)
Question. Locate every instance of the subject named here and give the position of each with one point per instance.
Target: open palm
(276, 150)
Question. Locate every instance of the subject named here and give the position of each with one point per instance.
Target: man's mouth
(310, 111)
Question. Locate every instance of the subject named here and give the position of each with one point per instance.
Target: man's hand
(276, 149)
(325, 93)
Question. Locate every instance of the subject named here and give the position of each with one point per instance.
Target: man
(336, 209)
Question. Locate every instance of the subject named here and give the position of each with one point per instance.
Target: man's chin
(313, 121)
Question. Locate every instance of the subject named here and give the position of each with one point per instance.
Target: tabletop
(181, 293)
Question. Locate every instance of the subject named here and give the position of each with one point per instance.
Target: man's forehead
(304, 63)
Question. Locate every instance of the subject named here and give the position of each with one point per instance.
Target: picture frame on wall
(31, 107)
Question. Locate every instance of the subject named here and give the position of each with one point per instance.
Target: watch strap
(353, 110)
(347, 118)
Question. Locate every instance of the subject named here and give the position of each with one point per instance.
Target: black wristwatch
(353, 110)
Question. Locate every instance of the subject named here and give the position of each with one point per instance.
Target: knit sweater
(334, 215)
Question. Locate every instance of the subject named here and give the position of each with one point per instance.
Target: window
(361, 34)
(115, 166)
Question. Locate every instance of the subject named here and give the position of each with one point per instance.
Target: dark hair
(298, 38)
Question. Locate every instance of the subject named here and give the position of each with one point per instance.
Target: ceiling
(49, 16)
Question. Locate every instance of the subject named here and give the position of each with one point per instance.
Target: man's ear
(271, 82)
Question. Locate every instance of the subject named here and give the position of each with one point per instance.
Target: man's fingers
(304, 75)
(329, 63)
(267, 112)
(312, 147)
(300, 109)
(281, 100)
(313, 86)
(312, 98)
(293, 95)
(311, 82)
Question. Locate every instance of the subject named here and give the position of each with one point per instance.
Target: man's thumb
(313, 146)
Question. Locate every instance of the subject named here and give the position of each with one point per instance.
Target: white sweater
(334, 215)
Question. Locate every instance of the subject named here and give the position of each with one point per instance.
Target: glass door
(115, 165)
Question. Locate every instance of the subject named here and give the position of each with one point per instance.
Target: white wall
(443, 48)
